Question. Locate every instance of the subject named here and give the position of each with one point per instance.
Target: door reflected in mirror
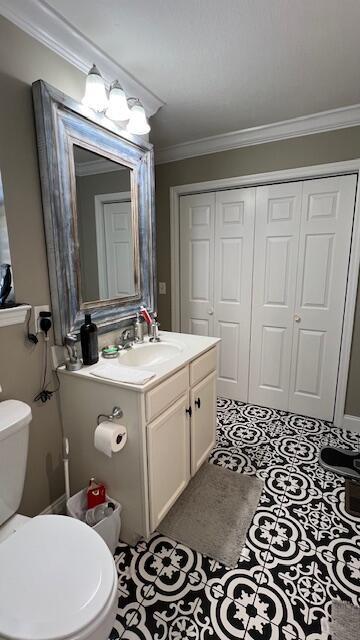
(105, 227)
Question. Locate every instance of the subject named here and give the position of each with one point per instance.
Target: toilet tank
(15, 417)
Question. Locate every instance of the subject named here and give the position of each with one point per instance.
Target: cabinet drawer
(202, 366)
(158, 399)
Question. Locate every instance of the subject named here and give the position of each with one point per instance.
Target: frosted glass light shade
(95, 91)
(138, 123)
(118, 107)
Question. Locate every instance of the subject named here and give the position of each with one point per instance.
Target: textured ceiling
(223, 65)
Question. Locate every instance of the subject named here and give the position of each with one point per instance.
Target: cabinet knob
(198, 403)
(211, 312)
(189, 411)
(297, 318)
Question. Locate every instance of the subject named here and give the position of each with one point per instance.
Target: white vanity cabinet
(168, 440)
(180, 439)
(203, 418)
(203, 407)
(170, 422)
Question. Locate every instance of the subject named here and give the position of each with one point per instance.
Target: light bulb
(118, 107)
(95, 92)
(138, 123)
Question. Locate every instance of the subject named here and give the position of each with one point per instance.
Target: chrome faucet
(73, 363)
(139, 329)
(125, 339)
(154, 329)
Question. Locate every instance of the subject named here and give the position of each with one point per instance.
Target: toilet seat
(57, 577)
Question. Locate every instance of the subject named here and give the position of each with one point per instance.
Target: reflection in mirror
(6, 286)
(106, 231)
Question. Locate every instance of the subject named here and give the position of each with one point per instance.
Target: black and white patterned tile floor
(302, 549)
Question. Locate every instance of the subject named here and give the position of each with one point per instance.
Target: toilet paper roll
(110, 437)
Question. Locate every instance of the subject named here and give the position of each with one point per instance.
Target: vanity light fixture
(95, 91)
(138, 123)
(117, 107)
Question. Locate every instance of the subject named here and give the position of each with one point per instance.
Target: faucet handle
(126, 338)
(154, 329)
(74, 362)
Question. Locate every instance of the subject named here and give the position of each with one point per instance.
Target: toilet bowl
(58, 580)
(57, 576)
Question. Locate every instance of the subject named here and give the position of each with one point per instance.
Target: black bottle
(89, 341)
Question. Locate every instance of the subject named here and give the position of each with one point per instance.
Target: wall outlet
(162, 288)
(37, 310)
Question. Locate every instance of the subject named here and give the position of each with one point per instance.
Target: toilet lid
(56, 576)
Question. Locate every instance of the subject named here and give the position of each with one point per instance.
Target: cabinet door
(203, 420)
(168, 458)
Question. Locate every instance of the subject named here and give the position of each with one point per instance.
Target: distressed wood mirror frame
(62, 123)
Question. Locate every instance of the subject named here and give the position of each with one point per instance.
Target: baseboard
(352, 423)
(58, 507)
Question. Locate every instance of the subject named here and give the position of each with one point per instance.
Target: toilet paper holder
(117, 412)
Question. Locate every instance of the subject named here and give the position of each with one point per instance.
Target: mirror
(105, 228)
(6, 286)
(97, 185)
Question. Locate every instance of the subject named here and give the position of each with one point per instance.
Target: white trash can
(108, 528)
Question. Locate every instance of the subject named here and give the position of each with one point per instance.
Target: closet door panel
(277, 226)
(325, 236)
(272, 358)
(199, 327)
(234, 238)
(228, 366)
(197, 217)
(309, 354)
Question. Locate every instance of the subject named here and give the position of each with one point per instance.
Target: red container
(96, 494)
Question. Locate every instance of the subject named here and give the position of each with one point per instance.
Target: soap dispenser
(89, 341)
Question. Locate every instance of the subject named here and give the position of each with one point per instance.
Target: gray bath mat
(214, 512)
(345, 621)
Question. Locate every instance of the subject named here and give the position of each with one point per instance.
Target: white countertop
(192, 346)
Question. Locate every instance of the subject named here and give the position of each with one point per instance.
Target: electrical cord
(46, 394)
(32, 337)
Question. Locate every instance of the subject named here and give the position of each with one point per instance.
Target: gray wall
(22, 61)
(298, 152)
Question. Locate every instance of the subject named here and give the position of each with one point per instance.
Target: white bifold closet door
(197, 228)
(278, 211)
(301, 258)
(216, 239)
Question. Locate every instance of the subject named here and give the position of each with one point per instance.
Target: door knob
(211, 312)
(297, 318)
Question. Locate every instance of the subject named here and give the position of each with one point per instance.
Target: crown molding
(302, 126)
(96, 166)
(43, 23)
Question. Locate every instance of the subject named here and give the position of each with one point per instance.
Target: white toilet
(57, 576)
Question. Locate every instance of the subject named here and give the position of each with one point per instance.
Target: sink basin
(149, 354)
